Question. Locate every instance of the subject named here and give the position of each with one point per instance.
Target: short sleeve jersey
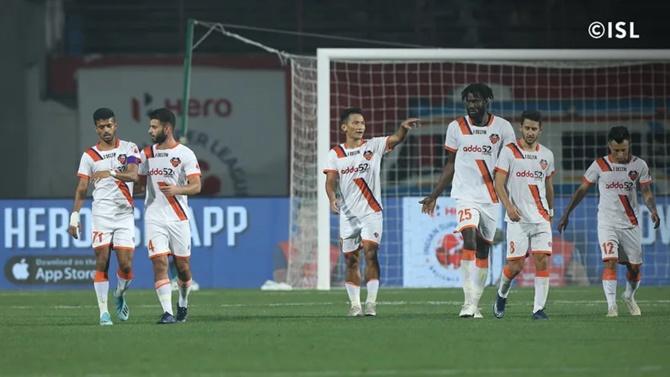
(172, 166)
(358, 170)
(110, 195)
(477, 149)
(527, 172)
(617, 186)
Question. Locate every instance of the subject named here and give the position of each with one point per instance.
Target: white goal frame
(326, 55)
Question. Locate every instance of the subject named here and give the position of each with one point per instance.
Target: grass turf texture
(305, 333)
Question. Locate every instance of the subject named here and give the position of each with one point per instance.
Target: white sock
(479, 282)
(373, 287)
(609, 286)
(354, 293)
(466, 279)
(101, 291)
(184, 290)
(164, 293)
(505, 285)
(541, 293)
(121, 285)
(631, 288)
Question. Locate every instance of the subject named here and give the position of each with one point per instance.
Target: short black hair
(102, 113)
(479, 89)
(533, 115)
(618, 134)
(163, 115)
(344, 116)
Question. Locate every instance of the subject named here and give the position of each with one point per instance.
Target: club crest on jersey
(632, 175)
(175, 161)
(122, 159)
(494, 138)
(368, 155)
(544, 164)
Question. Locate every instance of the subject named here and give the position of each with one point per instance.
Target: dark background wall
(154, 26)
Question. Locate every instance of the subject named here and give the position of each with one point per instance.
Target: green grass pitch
(305, 333)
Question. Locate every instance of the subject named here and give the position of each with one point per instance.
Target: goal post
(571, 59)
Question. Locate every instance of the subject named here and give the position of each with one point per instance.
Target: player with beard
(473, 143)
(170, 171)
(524, 185)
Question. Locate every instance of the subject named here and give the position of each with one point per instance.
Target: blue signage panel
(232, 244)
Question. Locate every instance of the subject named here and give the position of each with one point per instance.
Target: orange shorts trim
(160, 254)
(123, 248)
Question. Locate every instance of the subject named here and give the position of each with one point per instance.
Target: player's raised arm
(428, 203)
(577, 197)
(400, 135)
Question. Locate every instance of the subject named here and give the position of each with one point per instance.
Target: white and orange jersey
(617, 186)
(110, 194)
(526, 174)
(171, 166)
(477, 150)
(359, 170)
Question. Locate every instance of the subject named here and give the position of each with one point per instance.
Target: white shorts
(355, 230)
(623, 245)
(167, 238)
(116, 231)
(482, 216)
(533, 238)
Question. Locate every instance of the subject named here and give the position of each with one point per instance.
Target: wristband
(74, 219)
(551, 212)
(112, 173)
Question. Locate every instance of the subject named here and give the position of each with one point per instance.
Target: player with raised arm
(524, 184)
(618, 175)
(111, 166)
(354, 168)
(473, 143)
(170, 171)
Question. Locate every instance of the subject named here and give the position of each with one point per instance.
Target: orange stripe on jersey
(340, 152)
(484, 170)
(517, 152)
(535, 191)
(181, 214)
(149, 152)
(629, 209)
(604, 166)
(367, 193)
(463, 124)
(452, 150)
(125, 191)
(93, 154)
